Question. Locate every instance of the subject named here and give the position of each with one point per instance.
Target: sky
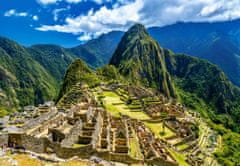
(72, 22)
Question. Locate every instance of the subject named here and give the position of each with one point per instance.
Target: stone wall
(69, 152)
(160, 162)
(36, 121)
(33, 144)
(73, 136)
(3, 139)
(124, 158)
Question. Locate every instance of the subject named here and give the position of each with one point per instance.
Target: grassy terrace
(157, 129)
(182, 146)
(180, 158)
(116, 107)
(25, 160)
(135, 150)
(79, 145)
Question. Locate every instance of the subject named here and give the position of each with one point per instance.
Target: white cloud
(9, 13)
(35, 17)
(46, 2)
(74, 1)
(148, 12)
(13, 12)
(102, 21)
(85, 37)
(57, 11)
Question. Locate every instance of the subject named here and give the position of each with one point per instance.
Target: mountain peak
(138, 28)
(141, 60)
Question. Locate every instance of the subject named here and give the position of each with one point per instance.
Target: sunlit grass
(4, 162)
(157, 129)
(135, 150)
(75, 163)
(182, 146)
(78, 145)
(180, 158)
(25, 160)
(112, 102)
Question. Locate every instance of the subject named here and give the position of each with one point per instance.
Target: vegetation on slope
(23, 81)
(54, 59)
(207, 82)
(140, 59)
(78, 72)
(216, 42)
(98, 52)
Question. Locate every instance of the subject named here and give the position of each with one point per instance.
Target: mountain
(98, 52)
(33, 75)
(54, 59)
(23, 80)
(217, 42)
(142, 61)
(78, 72)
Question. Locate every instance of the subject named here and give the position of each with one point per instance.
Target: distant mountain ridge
(217, 42)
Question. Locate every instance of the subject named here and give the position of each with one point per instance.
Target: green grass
(157, 128)
(3, 112)
(112, 104)
(78, 145)
(182, 146)
(135, 150)
(180, 158)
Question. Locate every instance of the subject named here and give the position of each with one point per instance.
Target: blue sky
(72, 22)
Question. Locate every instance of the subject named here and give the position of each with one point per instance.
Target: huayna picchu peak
(142, 61)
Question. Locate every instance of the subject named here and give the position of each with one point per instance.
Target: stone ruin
(83, 129)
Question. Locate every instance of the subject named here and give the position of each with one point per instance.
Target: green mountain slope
(140, 59)
(54, 59)
(217, 42)
(78, 72)
(204, 79)
(23, 80)
(97, 52)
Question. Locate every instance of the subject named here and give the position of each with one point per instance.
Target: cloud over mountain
(150, 13)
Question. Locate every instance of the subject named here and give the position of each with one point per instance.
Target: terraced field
(117, 107)
(159, 131)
